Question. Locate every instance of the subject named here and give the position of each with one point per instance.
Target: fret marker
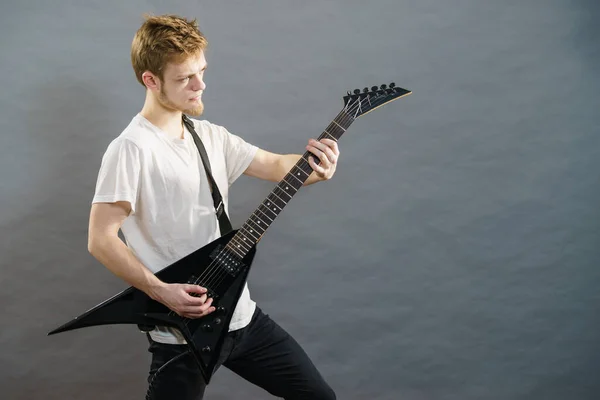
(274, 208)
(286, 188)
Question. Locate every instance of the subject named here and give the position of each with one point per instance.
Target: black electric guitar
(222, 266)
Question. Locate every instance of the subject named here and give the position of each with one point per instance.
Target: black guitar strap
(224, 223)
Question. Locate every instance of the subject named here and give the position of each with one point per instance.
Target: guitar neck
(254, 228)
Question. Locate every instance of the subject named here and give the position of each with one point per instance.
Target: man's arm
(273, 167)
(106, 246)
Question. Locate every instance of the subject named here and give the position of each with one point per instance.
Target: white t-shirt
(172, 211)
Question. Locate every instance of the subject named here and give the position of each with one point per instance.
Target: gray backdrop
(454, 254)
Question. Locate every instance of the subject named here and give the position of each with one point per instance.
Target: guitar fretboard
(254, 228)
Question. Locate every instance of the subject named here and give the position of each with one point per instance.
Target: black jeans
(262, 353)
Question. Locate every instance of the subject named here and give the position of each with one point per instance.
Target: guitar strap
(224, 223)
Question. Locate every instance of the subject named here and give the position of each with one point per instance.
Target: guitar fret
(260, 221)
(246, 238)
(244, 248)
(258, 209)
(283, 201)
(242, 240)
(267, 211)
(300, 169)
(286, 188)
(280, 191)
(330, 135)
(339, 125)
(347, 117)
(278, 204)
(280, 195)
(256, 226)
(249, 232)
(292, 185)
(335, 130)
(239, 243)
(236, 251)
(296, 178)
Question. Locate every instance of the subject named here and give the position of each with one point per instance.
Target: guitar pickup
(226, 260)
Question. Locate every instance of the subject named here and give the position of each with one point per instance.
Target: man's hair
(163, 39)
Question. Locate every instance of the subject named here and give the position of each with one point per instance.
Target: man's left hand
(328, 153)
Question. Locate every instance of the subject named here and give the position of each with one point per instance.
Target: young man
(152, 186)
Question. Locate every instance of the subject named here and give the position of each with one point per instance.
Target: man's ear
(150, 80)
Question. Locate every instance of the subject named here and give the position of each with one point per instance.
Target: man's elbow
(92, 245)
(96, 244)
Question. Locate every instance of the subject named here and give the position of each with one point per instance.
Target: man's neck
(167, 120)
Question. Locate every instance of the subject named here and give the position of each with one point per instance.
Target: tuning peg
(392, 85)
(383, 86)
(349, 94)
(366, 90)
(374, 89)
(356, 91)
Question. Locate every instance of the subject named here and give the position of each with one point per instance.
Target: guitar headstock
(359, 103)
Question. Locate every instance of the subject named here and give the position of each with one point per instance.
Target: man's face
(183, 85)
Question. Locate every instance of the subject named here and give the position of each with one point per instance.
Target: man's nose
(198, 83)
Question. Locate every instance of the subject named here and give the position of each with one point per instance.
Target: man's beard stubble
(168, 104)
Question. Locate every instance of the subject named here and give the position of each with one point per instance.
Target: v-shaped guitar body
(223, 276)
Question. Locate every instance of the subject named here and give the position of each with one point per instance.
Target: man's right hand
(189, 301)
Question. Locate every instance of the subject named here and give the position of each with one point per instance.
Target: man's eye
(184, 79)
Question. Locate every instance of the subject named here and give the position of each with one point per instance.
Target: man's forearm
(117, 257)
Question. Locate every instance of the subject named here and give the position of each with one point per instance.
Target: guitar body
(224, 280)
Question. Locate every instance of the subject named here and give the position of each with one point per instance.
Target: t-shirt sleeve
(238, 154)
(119, 176)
